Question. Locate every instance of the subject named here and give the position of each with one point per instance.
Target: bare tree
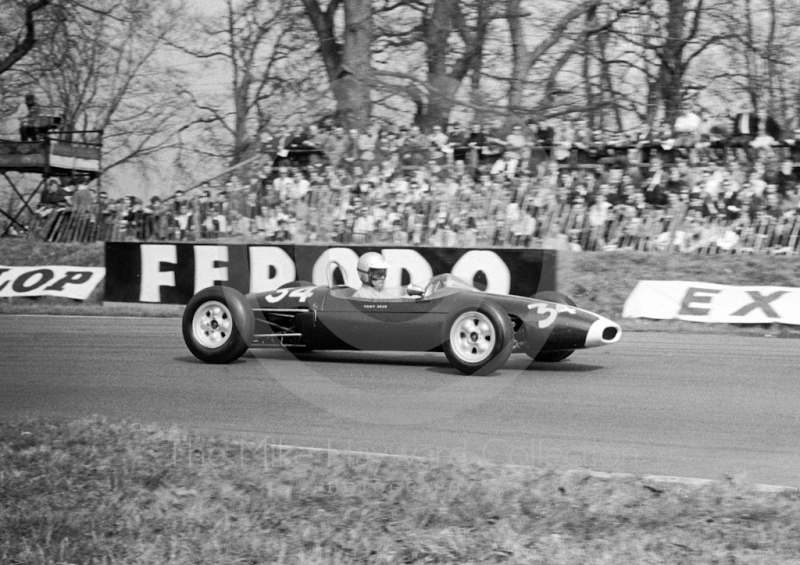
(106, 69)
(680, 32)
(261, 50)
(762, 50)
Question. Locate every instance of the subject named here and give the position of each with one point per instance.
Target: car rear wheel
(479, 339)
(218, 325)
(553, 356)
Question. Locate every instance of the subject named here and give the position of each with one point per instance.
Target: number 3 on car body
(551, 311)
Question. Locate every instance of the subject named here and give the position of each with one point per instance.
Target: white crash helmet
(369, 262)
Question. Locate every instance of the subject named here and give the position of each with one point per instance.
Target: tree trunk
(753, 80)
(771, 56)
(347, 64)
(351, 88)
(519, 55)
(670, 76)
(440, 102)
(437, 33)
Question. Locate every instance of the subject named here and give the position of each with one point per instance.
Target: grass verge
(93, 491)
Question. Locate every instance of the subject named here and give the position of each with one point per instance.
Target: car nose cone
(602, 332)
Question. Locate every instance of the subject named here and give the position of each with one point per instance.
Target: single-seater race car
(476, 330)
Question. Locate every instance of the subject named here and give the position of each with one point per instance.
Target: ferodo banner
(67, 282)
(713, 303)
(171, 273)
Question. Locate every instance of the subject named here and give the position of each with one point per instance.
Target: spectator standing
(399, 233)
(361, 226)
(687, 127)
(315, 142)
(159, 220)
(183, 223)
(266, 177)
(655, 185)
(385, 148)
(476, 141)
(197, 215)
(515, 144)
(352, 156)
(457, 141)
(178, 199)
(582, 145)
(136, 219)
(251, 206)
(367, 145)
(415, 149)
(204, 208)
(28, 128)
(440, 149)
(336, 146)
(236, 196)
(598, 217)
(82, 205)
(282, 141)
(794, 147)
(268, 145)
(544, 136)
(562, 141)
(282, 185)
(786, 179)
(757, 183)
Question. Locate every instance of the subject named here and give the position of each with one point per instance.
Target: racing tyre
(218, 325)
(478, 340)
(553, 356)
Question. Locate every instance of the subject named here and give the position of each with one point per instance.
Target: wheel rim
(472, 337)
(212, 324)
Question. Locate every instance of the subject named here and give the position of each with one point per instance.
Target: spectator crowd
(697, 184)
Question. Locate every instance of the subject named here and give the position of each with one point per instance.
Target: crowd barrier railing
(561, 226)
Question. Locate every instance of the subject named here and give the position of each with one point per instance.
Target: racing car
(476, 330)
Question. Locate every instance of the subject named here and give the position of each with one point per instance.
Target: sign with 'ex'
(713, 303)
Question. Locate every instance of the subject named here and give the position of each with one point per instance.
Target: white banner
(68, 282)
(713, 303)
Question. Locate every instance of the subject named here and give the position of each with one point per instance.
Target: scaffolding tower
(52, 155)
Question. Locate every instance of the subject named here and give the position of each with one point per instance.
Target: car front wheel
(478, 340)
(218, 325)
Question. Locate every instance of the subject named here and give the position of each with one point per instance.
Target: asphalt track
(704, 406)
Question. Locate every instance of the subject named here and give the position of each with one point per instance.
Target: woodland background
(182, 89)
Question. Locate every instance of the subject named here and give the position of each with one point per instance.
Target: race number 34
(550, 312)
(302, 294)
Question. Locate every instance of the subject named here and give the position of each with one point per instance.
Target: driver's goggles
(377, 274)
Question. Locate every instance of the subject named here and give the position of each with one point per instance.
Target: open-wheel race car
(476, 330)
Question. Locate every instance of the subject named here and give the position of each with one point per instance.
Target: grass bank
(95, 491)
(599, 282)
(22, 252)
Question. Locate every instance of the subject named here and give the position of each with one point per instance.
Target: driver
(372, 272)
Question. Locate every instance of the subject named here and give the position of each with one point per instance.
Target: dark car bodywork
(325, 318)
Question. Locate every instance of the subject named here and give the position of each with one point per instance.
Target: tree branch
(23, 47)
